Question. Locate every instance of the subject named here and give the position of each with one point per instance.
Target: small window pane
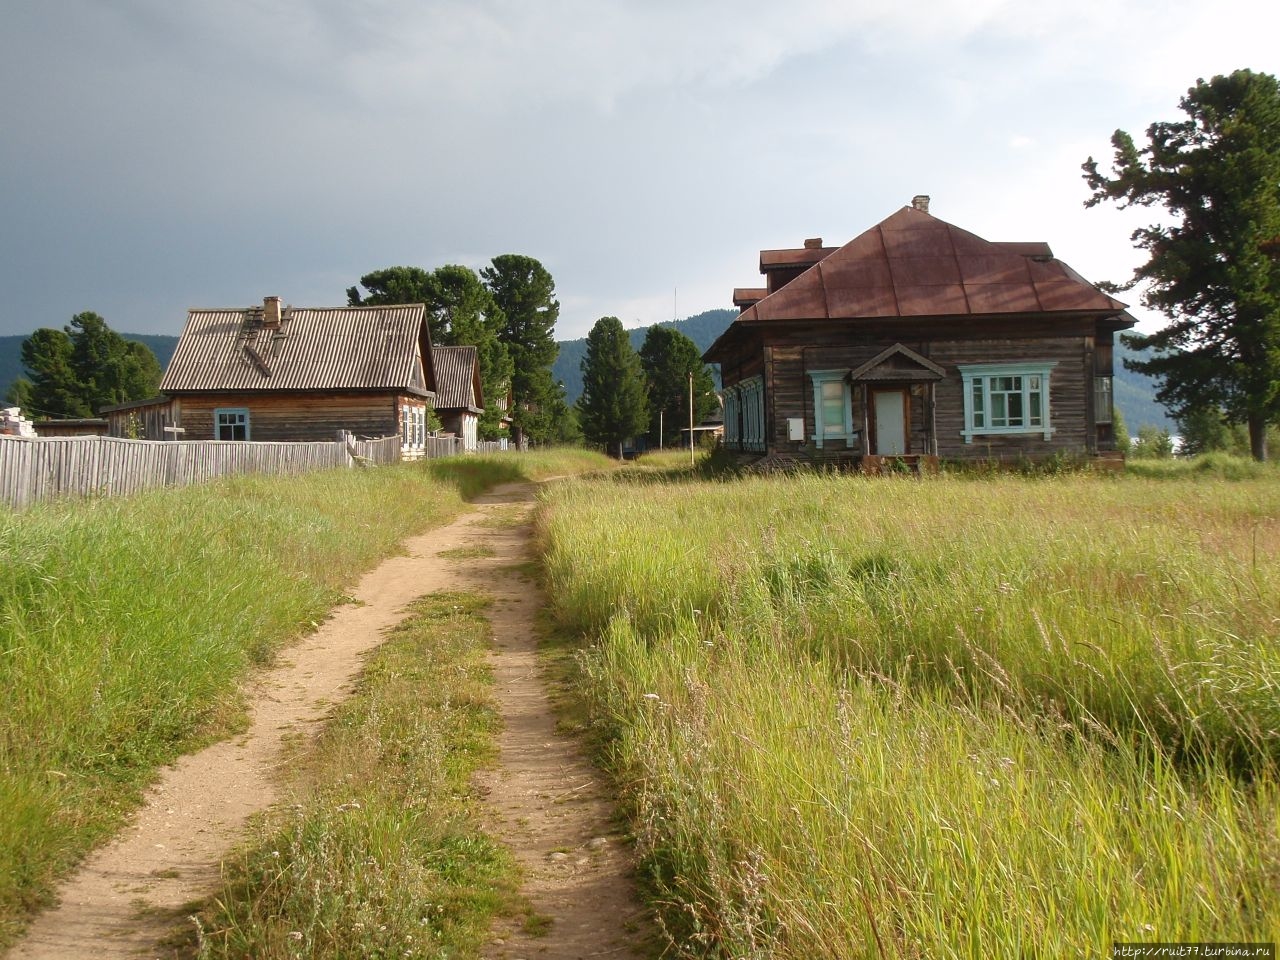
(1015, 409)
(998, 411)
(833, 408)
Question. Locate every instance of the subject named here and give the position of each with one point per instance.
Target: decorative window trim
(847, 434)
(241, 412)
(982, 374)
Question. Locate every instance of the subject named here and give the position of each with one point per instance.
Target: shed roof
(311, 348)
(458, 379)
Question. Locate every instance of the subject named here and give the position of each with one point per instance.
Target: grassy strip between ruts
(126, 626)
(381, 852)
(996, 718)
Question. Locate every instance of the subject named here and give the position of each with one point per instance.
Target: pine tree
(1215, 270)
(668, 357)
(612, 406)
(525, 293)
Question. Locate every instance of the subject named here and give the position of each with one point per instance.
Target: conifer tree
(612, 406)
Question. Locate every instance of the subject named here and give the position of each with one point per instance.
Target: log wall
(297, 417)
(787, 351)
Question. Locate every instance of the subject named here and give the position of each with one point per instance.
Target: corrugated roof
(458, 379)
(322, 348)
(915, 265)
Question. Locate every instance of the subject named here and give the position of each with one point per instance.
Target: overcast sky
(162, 154)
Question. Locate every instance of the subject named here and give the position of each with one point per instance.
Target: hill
(1135, 394)
(11, 354)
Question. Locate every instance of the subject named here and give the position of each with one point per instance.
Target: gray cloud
(159, 155)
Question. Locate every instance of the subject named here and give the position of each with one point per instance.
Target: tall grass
(127, 624)
(964, 718)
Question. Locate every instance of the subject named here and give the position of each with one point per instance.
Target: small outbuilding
(459, 397)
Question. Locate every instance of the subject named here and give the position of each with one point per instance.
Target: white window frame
(241, 412)
(847, 432)
(981, 374)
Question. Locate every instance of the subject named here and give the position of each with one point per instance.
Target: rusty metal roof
(322, 348)
(458, 379)
(746, 296)
(914, 265)
(793, 257)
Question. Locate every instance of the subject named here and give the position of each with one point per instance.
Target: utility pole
(691, 418)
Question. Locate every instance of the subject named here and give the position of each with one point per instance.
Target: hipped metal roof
(324, 348)
(458, 379)
(914, 265)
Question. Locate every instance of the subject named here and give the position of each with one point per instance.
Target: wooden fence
(38, 469)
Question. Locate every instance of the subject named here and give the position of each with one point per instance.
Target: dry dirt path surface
(547, 802)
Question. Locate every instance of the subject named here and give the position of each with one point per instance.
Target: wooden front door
(889, 409)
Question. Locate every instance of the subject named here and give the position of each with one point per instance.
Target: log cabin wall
(297, 416)
(788, 351)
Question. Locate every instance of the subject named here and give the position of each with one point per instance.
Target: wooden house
(918, 338)
(285, 373)
(459, 397)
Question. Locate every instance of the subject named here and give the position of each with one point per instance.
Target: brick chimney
(921, 202)
(271, 311)
(813, 243)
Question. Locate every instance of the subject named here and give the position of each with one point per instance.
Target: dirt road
(547, 802)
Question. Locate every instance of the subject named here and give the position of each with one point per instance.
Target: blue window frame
(231, 423)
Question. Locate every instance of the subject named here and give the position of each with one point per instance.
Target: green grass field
(993, 717)
(127, 626)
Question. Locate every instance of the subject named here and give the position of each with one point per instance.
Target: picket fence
(32, 470)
